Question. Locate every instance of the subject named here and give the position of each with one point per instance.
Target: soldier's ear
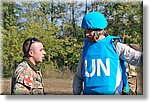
(31, 53)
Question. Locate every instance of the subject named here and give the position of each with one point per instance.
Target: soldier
(27, 78)
(132, 73)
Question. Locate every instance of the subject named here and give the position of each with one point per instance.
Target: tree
(11, 41)
(58, 25)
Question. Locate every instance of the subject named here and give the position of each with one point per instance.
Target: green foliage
(126, 20)
(12, 50)
(57, 25)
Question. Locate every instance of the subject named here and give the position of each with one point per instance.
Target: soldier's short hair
(27, 44)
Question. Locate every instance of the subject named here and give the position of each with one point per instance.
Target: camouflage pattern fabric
(132, 73)
(27, 80)
(132, 79)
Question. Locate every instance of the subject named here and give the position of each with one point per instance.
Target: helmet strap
(96, 36)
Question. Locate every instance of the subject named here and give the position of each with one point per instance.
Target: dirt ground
(52, 87)
(60, 86)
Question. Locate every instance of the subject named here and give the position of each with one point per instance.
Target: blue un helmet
(94, 20)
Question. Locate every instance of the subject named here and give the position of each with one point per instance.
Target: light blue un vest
(102, 70)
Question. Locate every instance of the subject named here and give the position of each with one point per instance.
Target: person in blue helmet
(102, 64)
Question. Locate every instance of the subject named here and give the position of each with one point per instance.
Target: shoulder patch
(28, 80)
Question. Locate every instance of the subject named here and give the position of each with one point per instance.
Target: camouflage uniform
(27, 79)
(132, 79)
(132, 73)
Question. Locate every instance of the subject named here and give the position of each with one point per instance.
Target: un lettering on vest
(100, 65)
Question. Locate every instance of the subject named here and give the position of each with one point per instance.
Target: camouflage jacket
(27, 79)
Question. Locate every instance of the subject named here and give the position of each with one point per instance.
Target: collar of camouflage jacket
(35, 68)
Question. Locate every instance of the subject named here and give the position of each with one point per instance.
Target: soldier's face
(38, 51)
